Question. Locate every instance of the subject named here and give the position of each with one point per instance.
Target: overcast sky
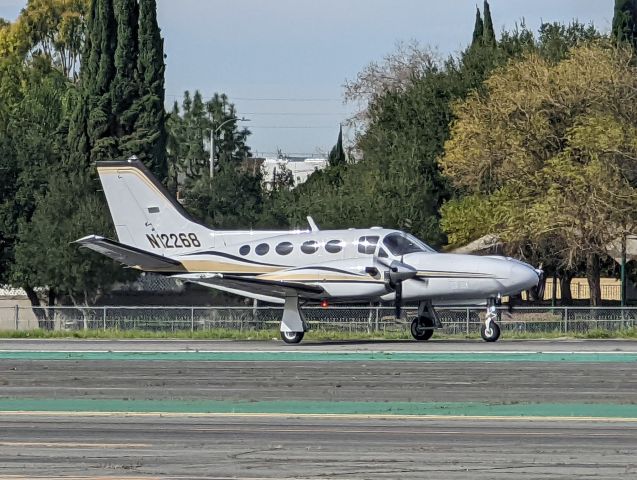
(283, 62)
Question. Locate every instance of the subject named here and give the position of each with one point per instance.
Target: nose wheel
(292, 337)
(490, 330)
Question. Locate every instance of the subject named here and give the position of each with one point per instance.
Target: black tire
(292, 337)
(495, 332)
(422, 329)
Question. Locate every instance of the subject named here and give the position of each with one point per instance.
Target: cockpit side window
(402, 243)
(367, 245)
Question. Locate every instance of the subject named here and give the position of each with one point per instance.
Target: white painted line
(343, 416)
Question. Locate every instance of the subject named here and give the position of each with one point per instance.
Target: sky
(283, 63)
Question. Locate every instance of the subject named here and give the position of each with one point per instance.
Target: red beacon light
(324, 304)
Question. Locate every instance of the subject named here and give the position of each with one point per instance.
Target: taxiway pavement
(355, 410)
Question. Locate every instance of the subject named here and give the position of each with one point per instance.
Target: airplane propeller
(397, 273)
(541, 284)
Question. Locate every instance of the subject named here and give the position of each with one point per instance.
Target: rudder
(145, 215)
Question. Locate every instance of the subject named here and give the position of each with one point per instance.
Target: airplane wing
(130, 256)
(255, 287)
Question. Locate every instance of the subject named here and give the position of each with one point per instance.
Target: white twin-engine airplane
(291, 267)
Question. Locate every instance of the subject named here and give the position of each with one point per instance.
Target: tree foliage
(233, 197)
(54, 29)
(624, 28)
(547, 153)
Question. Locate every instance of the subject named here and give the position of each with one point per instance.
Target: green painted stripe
(324, 356)
(312, 407)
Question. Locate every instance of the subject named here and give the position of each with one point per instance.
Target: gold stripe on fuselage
(202, 266)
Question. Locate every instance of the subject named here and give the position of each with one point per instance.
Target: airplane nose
(523, 276)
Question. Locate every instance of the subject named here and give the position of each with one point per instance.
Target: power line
(250, 127)
(298, 114)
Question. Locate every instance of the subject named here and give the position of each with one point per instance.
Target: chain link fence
(460, 320)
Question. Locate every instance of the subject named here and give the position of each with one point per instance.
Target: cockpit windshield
(402, 243)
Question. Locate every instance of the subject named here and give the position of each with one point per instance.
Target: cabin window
(244, 250)
(334, 246)
(382, 253)
(284, 248)
(310, 246)
(262, 249)
(367, 245)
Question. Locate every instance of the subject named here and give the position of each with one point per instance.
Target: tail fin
(145, 215)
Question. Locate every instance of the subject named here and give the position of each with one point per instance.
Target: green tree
(529, 156)
(488, 37)
(478, 30)
(234, 196)
(33, 109)
(624, 28)
(398, 183)
(53, 29)
(125, 86)
(96, 77)
(119, 109)
(45, 250)
(150, 127)
(337, 154)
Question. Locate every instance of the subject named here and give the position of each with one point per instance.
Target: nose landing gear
(490, 330)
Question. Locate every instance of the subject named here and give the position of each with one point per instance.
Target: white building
(300, 167)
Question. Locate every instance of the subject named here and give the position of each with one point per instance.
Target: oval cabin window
(310, 246)
(262, 249)
(284, 248)
(334, 246)
(244, 250)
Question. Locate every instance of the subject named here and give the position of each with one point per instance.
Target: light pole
(213, 132)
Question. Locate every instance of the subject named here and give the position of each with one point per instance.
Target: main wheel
(492, 335)
(422, 329)
(292, 337)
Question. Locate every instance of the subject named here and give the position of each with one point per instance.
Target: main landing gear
(490, 331)
(293, 326)
(422, 327)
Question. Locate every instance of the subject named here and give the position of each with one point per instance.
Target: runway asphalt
(274, 447)
(182, 409)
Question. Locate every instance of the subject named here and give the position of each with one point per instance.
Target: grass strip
(317, 335)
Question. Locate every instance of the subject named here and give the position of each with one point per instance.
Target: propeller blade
(541, 284)
(398, 302)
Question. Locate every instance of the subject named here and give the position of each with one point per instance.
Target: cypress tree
(337, 154)
(488, 32)
(478, 30)
(625, 22)
(97, 79)
(92, 118)
(150, 128)
(125, 86)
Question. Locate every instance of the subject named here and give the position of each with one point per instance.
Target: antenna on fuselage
(313, 226)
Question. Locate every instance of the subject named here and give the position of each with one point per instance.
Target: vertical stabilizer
(145, 215)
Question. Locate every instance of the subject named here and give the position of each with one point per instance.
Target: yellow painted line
(344, 416)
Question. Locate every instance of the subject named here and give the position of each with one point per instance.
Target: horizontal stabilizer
(131, 256)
